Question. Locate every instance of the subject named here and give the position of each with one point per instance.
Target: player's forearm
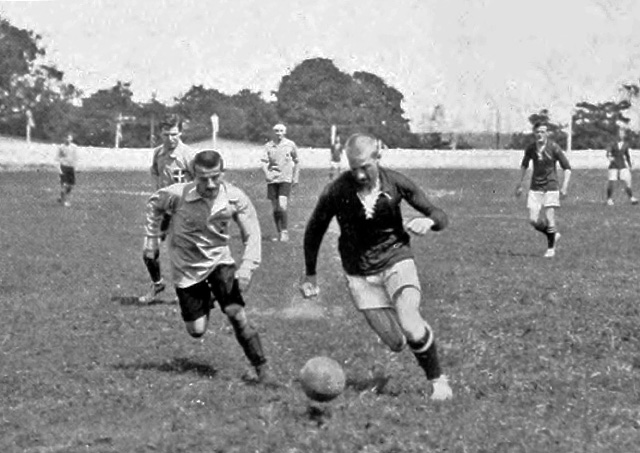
(252, 239)
(566, 179)
(313, 236)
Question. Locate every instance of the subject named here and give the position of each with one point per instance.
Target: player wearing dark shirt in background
(544, 193)
(375, 251)
(619, 167)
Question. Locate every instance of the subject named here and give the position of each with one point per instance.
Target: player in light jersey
(281, 168)
(374, 247)
(198, 240)
(171, 164)
(619, 167)
(544, 191)
(67, 158)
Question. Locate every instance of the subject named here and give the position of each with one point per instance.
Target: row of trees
(312, 97)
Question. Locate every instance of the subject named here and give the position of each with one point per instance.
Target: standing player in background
(619, 167)
(544, 191)
(67, 158)
(281, 168)
(171, 164)
(336, 157)
(375, 251)
(201, 259)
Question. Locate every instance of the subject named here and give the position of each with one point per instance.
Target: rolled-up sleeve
(249, 225)
(158, 204)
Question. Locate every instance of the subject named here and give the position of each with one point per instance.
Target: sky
(480, 59)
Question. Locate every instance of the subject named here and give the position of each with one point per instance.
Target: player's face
(364, 168)
(208, 181)
(541, 134)
(68, 139)
(171, 137)
(278, 133)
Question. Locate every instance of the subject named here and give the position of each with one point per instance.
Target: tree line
(315, 95)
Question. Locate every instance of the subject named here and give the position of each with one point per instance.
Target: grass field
(543, 355)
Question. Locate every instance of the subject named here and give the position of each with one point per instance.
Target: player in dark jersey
(376, 256)
(544, 191)
(619, 167)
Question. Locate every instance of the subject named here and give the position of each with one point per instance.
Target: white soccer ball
(322, 379)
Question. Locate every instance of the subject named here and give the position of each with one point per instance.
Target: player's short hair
(208, 158)
(359, 140)
(540, 123)
(280, 127)
(170, 121)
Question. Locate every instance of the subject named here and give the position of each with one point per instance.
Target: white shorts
(538, 200)
(620, 174)
(379, 290)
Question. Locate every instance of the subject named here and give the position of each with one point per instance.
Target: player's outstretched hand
(243, 276)
(308, 287)
(518, 191)
(419, 225)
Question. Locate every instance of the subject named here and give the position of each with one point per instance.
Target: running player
(544, 191)
(376, 256)
(171, 164)
(201, 259)
(281, 168)
(619, 167)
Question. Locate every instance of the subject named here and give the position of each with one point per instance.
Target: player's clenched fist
(243, 275)
(419, 225)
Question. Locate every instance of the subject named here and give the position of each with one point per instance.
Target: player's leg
(227, 292)
(535, 204)
(625, 177)
(195, 306)
(551, 202)
(153, 268)
(283, 204)
(403, 284)
(273, 195)
(612, 177)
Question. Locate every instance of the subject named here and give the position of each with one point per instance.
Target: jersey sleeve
(161, 202)
(418, 200)
(562, 158)
(247, 220)
(316, 228)
(526, 158)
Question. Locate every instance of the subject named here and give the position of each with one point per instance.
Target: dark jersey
(619, 153)
(545, 176)
(367, 245)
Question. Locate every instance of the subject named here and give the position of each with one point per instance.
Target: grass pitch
(543, 355)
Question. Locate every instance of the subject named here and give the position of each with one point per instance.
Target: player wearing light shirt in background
(544, 191)
(198, 240)
(619, 167)
(67, 158)
(280, 165)
(171, 164)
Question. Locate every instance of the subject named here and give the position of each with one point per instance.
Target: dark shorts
(196, 301)
(67, 175)
(278, 189)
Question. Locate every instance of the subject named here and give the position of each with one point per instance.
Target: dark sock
(249, 340)
(284, 220)
(609, 190)
(428, 359)
(551, 237)
(277, 219)
(541, 226)
(153, 267)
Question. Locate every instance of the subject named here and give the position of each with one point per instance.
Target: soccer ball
(322, 379)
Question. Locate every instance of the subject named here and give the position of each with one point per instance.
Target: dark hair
(171, 121)
(208, 158)
(540, 123)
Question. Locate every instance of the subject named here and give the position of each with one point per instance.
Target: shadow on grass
(133, 300)
(177, 365)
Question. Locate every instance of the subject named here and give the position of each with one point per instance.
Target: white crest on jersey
(178, 175)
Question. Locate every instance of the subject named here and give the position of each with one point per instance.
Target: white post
(333, 134)
(118, 130)
(30, 124)
(215, 126)
(570, 130)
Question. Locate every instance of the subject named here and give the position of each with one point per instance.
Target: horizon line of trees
(310, 99)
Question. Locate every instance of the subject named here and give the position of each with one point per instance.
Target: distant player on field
(375, 251)
(336, 157)
(281, 168)
(544, 191)
(67, 158)
(619, 167)
(171, 164)
(201, 259)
